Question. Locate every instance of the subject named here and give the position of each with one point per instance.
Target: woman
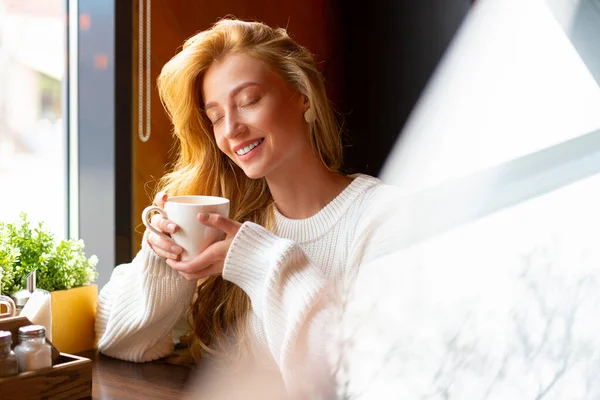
(254, 125)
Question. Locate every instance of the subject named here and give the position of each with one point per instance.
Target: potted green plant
(62, 269)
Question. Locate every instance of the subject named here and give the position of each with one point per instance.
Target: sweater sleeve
(138, 308)
(294, 301)
(299, 307)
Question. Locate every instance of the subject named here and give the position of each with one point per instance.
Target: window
(514, 91)
(59, 116)
(494, 293)
(33, 158)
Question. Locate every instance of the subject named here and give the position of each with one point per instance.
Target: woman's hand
(163, 247)
(211, 260)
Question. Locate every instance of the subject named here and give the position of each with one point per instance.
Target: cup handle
(146, 221)
(10, 306)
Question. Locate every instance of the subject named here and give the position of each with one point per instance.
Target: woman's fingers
(163, 247)
(209, 262)
(220, 222)
(162, 224)
(157, 220)
(160, 199)
(214, 269)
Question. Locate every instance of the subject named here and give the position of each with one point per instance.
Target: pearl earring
(309, 115)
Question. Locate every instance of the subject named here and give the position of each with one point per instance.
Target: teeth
(246, 149)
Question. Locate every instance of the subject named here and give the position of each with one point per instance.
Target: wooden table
(116, 379)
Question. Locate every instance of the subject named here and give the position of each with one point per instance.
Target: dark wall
(390, 50)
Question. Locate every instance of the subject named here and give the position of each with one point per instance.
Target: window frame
(98, 95)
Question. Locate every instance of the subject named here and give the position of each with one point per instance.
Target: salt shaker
(9, 365)
(33, 352)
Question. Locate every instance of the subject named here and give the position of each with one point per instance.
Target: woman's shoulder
(381, 220)
(376, 191)
(380, 203)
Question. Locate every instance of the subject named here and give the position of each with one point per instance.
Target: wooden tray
(69, 378)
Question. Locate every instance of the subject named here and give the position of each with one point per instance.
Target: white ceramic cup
(192, 235)
(10, 307)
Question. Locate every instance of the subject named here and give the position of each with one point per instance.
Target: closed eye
(217, 121)
(251, 103)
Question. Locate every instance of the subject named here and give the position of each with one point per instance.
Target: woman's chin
(254, 173)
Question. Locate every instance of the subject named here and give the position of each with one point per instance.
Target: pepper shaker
(9, 365)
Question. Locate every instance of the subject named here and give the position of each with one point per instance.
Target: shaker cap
(32, 331)
(5, 338)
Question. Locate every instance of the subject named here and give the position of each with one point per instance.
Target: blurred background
(32, 129)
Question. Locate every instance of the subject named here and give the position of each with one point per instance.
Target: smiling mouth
(249, 148)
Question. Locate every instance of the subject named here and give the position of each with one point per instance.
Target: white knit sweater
(291, 279)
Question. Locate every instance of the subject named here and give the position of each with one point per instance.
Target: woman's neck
(303, 191)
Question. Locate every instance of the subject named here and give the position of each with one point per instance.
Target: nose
(233, 126)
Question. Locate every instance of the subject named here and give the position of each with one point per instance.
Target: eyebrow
(235, 91)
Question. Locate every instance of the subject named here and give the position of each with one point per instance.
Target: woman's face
(257, 117)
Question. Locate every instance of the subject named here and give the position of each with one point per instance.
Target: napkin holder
(70, 376)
